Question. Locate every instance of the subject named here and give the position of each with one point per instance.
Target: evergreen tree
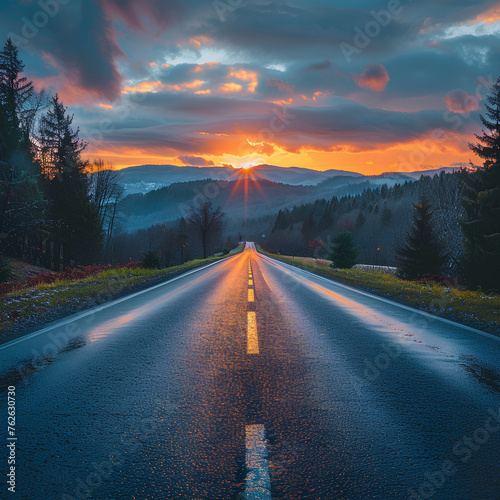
(326, 221)
(21, 201)
(15, 91)
(481, 227)
(386, 215)
(344, 251)
(79, 227)
(150, 260)
(421, 253)
(309, 230)
(360, 220)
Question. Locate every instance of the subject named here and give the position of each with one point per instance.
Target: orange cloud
(230, 87)
(201, 67)
(374, 76)
(200, 40)
(208, 91)
(155, 86)
(193, 85)
(245, 76)
(106, 106)
(143, 87)
(490, 16)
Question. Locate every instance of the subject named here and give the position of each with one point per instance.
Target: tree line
(56, 208)
(52, 212)
(449, 224)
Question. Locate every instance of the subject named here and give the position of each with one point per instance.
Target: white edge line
(383, 299)
(93, 310)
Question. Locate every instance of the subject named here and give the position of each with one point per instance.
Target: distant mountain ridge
(146, 178)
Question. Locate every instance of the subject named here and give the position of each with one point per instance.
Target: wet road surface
(253, 379)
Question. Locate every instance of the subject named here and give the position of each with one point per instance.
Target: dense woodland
(379, 218)
(58, 210)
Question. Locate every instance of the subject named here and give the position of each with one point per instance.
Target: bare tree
(206, 220)
(447, 199)
(107, 196)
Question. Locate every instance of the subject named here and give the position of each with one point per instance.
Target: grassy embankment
(473, 308)
(25, 309)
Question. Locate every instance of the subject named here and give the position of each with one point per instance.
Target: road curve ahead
(253, 379)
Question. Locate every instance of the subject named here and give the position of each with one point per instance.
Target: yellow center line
(257, 481)
(250, 282)
(252, 339)
(251, 295)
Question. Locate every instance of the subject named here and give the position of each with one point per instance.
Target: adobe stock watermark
(381, 362)
(363, 36)
(31, 27)
(132, 440)
(222, 7)
(465, 448)
(108, 125)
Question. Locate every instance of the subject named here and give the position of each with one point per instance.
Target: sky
(366, 86)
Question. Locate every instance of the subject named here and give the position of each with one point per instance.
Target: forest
(60, 210)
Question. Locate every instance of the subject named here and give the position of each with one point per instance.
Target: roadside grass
(47, 301)
(474, 308)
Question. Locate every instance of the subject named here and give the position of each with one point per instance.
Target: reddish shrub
(69, 273)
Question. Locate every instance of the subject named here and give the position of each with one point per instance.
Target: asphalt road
(253, 379)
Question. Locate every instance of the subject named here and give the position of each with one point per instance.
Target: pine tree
(15, 91)
(309, 230)
(60, 145)
(326, 221)
(481, 227)
(421, 253)
(344, 251)
(21, 202)
(68, 187)
(386, 215)
(360, 220)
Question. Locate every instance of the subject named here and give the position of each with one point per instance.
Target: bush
(225, 251)
(5, 272)
(151, 261)
(344, 251)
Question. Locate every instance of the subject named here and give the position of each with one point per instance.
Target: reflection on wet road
(253, 379)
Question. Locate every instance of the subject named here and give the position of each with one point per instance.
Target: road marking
(252, 338)
(251, 295)
(94, 310)
(250, 282)
(289, 269)
(257, 481)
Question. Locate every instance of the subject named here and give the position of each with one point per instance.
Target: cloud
(374, 76)
(173, 79)
(459, 101)
(196, 161)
